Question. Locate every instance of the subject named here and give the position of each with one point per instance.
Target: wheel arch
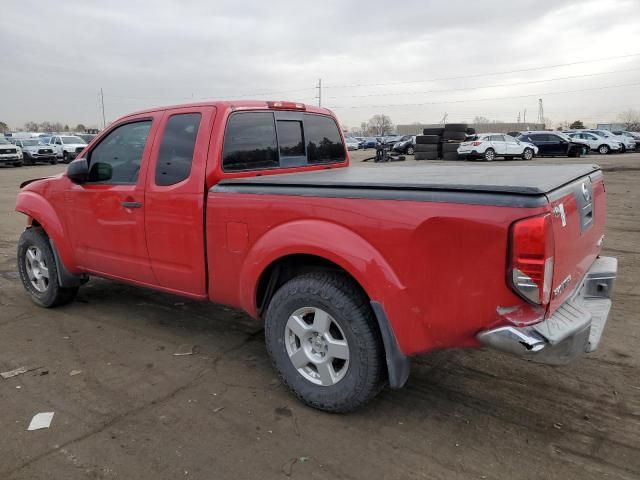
(42, 214)
(269, 265)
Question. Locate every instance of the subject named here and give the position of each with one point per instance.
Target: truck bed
(514, 185)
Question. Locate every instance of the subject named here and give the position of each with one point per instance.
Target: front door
(105, 215)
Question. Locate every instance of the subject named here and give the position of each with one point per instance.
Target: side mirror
(78, 171)
(100, 172)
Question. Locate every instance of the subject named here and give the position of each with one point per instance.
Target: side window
(117, 158)
(58, 141)
(250, 142)
(324, 144)
(176, 150)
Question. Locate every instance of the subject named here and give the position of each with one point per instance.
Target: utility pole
(540, 112)
(518, 117)
(104, 122)
(319, 87)
(525, 116)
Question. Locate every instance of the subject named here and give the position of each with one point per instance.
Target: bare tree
(380, 125)
(31, 126)
(480, 119)
(4, 127)
(80, 128)
(631, 119)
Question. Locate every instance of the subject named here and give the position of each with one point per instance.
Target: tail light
(476, 143)
(287, 105)
(532, 249)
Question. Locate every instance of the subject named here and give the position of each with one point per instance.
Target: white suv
(490, 146)
(628, 143)
(67, 147)
(602, 145)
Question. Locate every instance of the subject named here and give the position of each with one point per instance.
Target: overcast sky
(56, 55)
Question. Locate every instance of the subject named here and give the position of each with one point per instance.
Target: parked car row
(48, 149)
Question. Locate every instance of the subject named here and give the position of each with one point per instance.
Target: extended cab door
(105, 215)
(175, 200)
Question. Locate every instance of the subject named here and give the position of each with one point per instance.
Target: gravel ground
(137, 411)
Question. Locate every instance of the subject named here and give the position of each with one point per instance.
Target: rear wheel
(410, 150)
(38, 271)
(489, 154)
(65, 157)
(527, 154)
(324, 342)
(603, 149)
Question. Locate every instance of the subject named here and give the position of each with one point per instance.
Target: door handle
(132, 204)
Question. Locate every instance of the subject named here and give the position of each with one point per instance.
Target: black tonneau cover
(514, 183)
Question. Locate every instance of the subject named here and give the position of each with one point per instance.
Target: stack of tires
(429, 145)
(454, 134)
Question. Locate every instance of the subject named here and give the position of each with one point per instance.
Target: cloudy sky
(412, 60)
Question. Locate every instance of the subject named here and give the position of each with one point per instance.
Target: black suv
(551, 144)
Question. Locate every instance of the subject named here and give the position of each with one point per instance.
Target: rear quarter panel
(447, 262)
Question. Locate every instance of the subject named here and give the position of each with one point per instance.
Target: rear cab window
(259, 140)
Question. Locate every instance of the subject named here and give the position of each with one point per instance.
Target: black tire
(350, 310)
(433, 131)
(28, 160)
(425, 147)
(18, 164)
(65, 157)
(433, 155)
(623, 148)
(410, 150)
(450, 147)
(53, 295)
(428, 139)
(54, 161)
(604, 149)
(450, 156)
(528, 154)
(574, 153)
(455, 127)
(454, 135)
(489, 155)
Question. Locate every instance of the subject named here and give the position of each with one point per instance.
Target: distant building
(611, 126)
(416, 129)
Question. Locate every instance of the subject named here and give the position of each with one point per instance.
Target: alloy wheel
(317, 346)
(37, 269)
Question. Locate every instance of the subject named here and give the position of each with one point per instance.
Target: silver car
(10, 153)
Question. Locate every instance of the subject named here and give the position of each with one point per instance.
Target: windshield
(30, 143)
(3, 141)
(73, 140)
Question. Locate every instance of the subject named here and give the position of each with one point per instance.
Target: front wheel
(65, 157)
(527, 154)
(324, 341)
(38, 271)
(603, 149)
(410, 150)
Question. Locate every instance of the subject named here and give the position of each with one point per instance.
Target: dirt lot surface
(136, 411)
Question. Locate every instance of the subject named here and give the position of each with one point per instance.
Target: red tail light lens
(532, 249)
(476, 143)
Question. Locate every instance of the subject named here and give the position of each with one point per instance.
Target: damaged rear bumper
(574, 328)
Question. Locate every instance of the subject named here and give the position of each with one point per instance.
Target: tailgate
(579, 211)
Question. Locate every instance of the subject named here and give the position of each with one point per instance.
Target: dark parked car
(405, 145)
(370, 142)
(552, 144)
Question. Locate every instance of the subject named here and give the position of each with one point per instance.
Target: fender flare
(39, 209)
(348, 250)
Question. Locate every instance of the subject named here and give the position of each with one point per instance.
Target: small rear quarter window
(324, 143)
(250, 142)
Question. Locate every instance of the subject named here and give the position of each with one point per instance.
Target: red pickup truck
(352, 270)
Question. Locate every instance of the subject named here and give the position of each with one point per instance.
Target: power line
(221, 97)
(530, 69)
(497, 85)
(488, 98)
